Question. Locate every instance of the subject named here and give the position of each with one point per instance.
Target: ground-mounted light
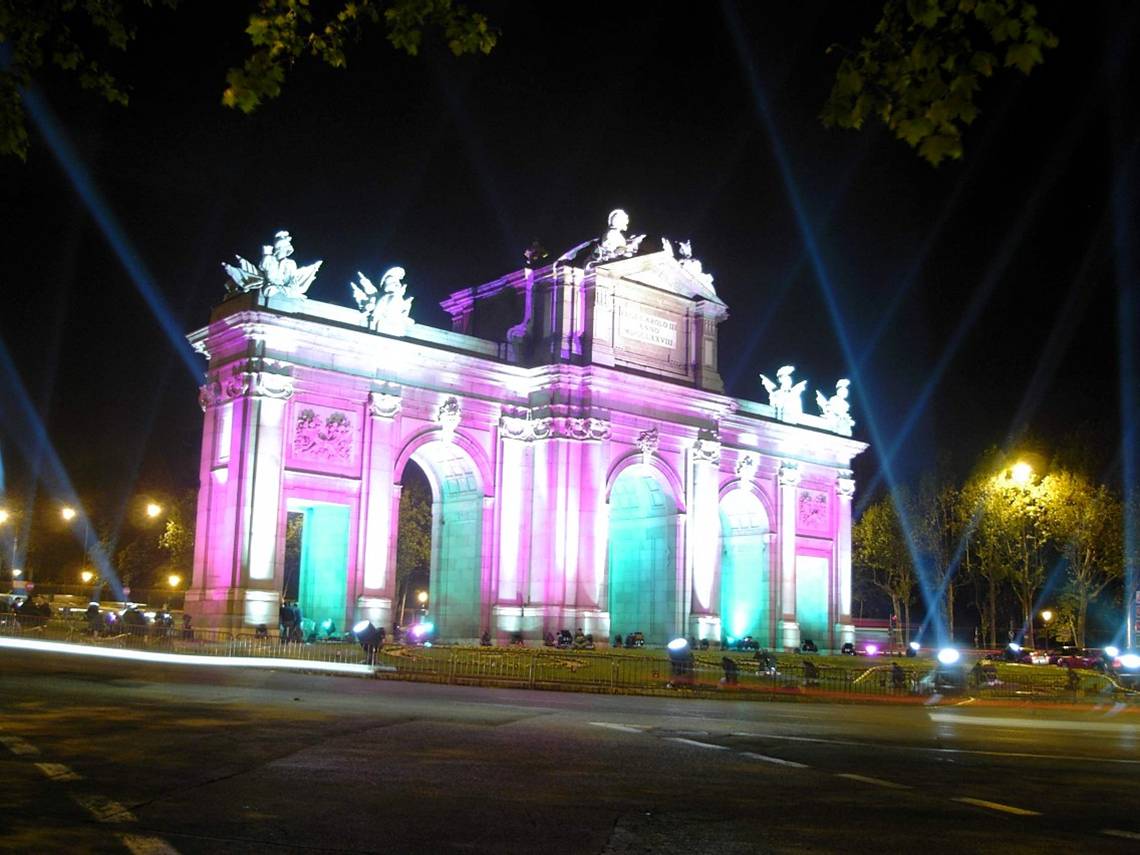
(1130, 661)
(872, 649)
(948, 655)
(1015, 647)
(328, 628)
(366, 635)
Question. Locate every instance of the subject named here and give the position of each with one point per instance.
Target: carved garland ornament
(789, 474)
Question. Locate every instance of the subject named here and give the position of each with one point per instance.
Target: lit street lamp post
(69, 513)
(1046, 617)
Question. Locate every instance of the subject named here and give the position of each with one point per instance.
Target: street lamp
(153, 509)
(69, 513)
(1046, 616)
(174, 580)
(422, 598)
(1021, 473)
(86, 576)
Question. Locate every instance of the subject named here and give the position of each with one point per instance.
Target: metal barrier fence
(606, 671)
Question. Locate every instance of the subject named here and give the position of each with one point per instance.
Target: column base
(232, 609)
(788, 632)
(534, 622)
(845, 633)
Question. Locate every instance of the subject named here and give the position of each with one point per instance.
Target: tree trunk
(1082, 616)
(993, 612)
(906, 623)
(950, 610)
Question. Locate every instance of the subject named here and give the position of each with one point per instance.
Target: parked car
(1080, 657)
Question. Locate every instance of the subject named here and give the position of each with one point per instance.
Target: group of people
(289, 622)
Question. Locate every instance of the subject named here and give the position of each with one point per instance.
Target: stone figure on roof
(784, 396)
(276, 274)
(614, 244)
(386, 309)
(836, 410)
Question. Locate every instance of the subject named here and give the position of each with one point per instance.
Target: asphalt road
(113, 757)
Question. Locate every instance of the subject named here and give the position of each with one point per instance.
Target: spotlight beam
(823, 280)
(56, 137)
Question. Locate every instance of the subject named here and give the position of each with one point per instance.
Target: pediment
(662, 271)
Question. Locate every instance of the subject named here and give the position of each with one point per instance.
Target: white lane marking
(779, 761)
(1019, 754)
(867, 780)
(698, 744)
(1022, 723)
(140, 845)
(1116, 832)
(624, 728)
(1116, 708)
(58, 772)
(18, 746)
(103, 809)
(1016, 811)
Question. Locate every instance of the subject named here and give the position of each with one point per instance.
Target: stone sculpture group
(387, 308)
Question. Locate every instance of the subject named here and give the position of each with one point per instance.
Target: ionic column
(264, 403)
(844, 491)
(789, 479)
(378, 532)
(705, 514)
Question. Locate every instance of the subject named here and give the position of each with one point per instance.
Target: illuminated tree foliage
(83, 36)
(920, 69)
(879, 548)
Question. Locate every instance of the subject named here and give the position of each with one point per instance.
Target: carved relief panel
(813, 512)
(323, 438)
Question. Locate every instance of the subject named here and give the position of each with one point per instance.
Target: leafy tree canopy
(81, 36)
(919, 71)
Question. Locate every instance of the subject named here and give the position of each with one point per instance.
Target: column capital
(789, 474)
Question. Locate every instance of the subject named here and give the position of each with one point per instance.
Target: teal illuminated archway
(744, 567)
(455, 604)
(642, 557)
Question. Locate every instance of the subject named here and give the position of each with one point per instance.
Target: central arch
(642, 555)
(745, 589)
(455, 603)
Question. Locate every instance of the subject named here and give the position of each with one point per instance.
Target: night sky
(981, 296)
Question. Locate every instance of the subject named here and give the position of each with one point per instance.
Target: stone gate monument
(587, 469)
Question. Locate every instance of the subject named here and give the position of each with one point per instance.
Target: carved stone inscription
(637, 325)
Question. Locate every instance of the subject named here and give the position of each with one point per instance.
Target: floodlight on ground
(914, 646)
(1130, 660)
(1015, 647)
(680, 659)
(948, 655)
(872, 649)
(420, 631)
(1112, 651)
(678, 645)
(328, 628)
(366, 635)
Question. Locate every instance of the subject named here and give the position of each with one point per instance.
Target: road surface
(114, 757)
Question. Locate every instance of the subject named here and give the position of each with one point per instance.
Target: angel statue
(276, 274)
(785, 396)
(386, 309)
(836, 410)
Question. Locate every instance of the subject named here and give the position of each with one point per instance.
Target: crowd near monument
(587, 468)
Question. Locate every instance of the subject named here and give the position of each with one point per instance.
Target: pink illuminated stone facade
(587, 469)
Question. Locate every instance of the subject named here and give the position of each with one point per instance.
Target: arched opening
(455, 568)
(642, 557)
(744, 567)
(316, 563)
(413, 545)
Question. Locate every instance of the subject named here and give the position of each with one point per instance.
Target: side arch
(745, 566)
